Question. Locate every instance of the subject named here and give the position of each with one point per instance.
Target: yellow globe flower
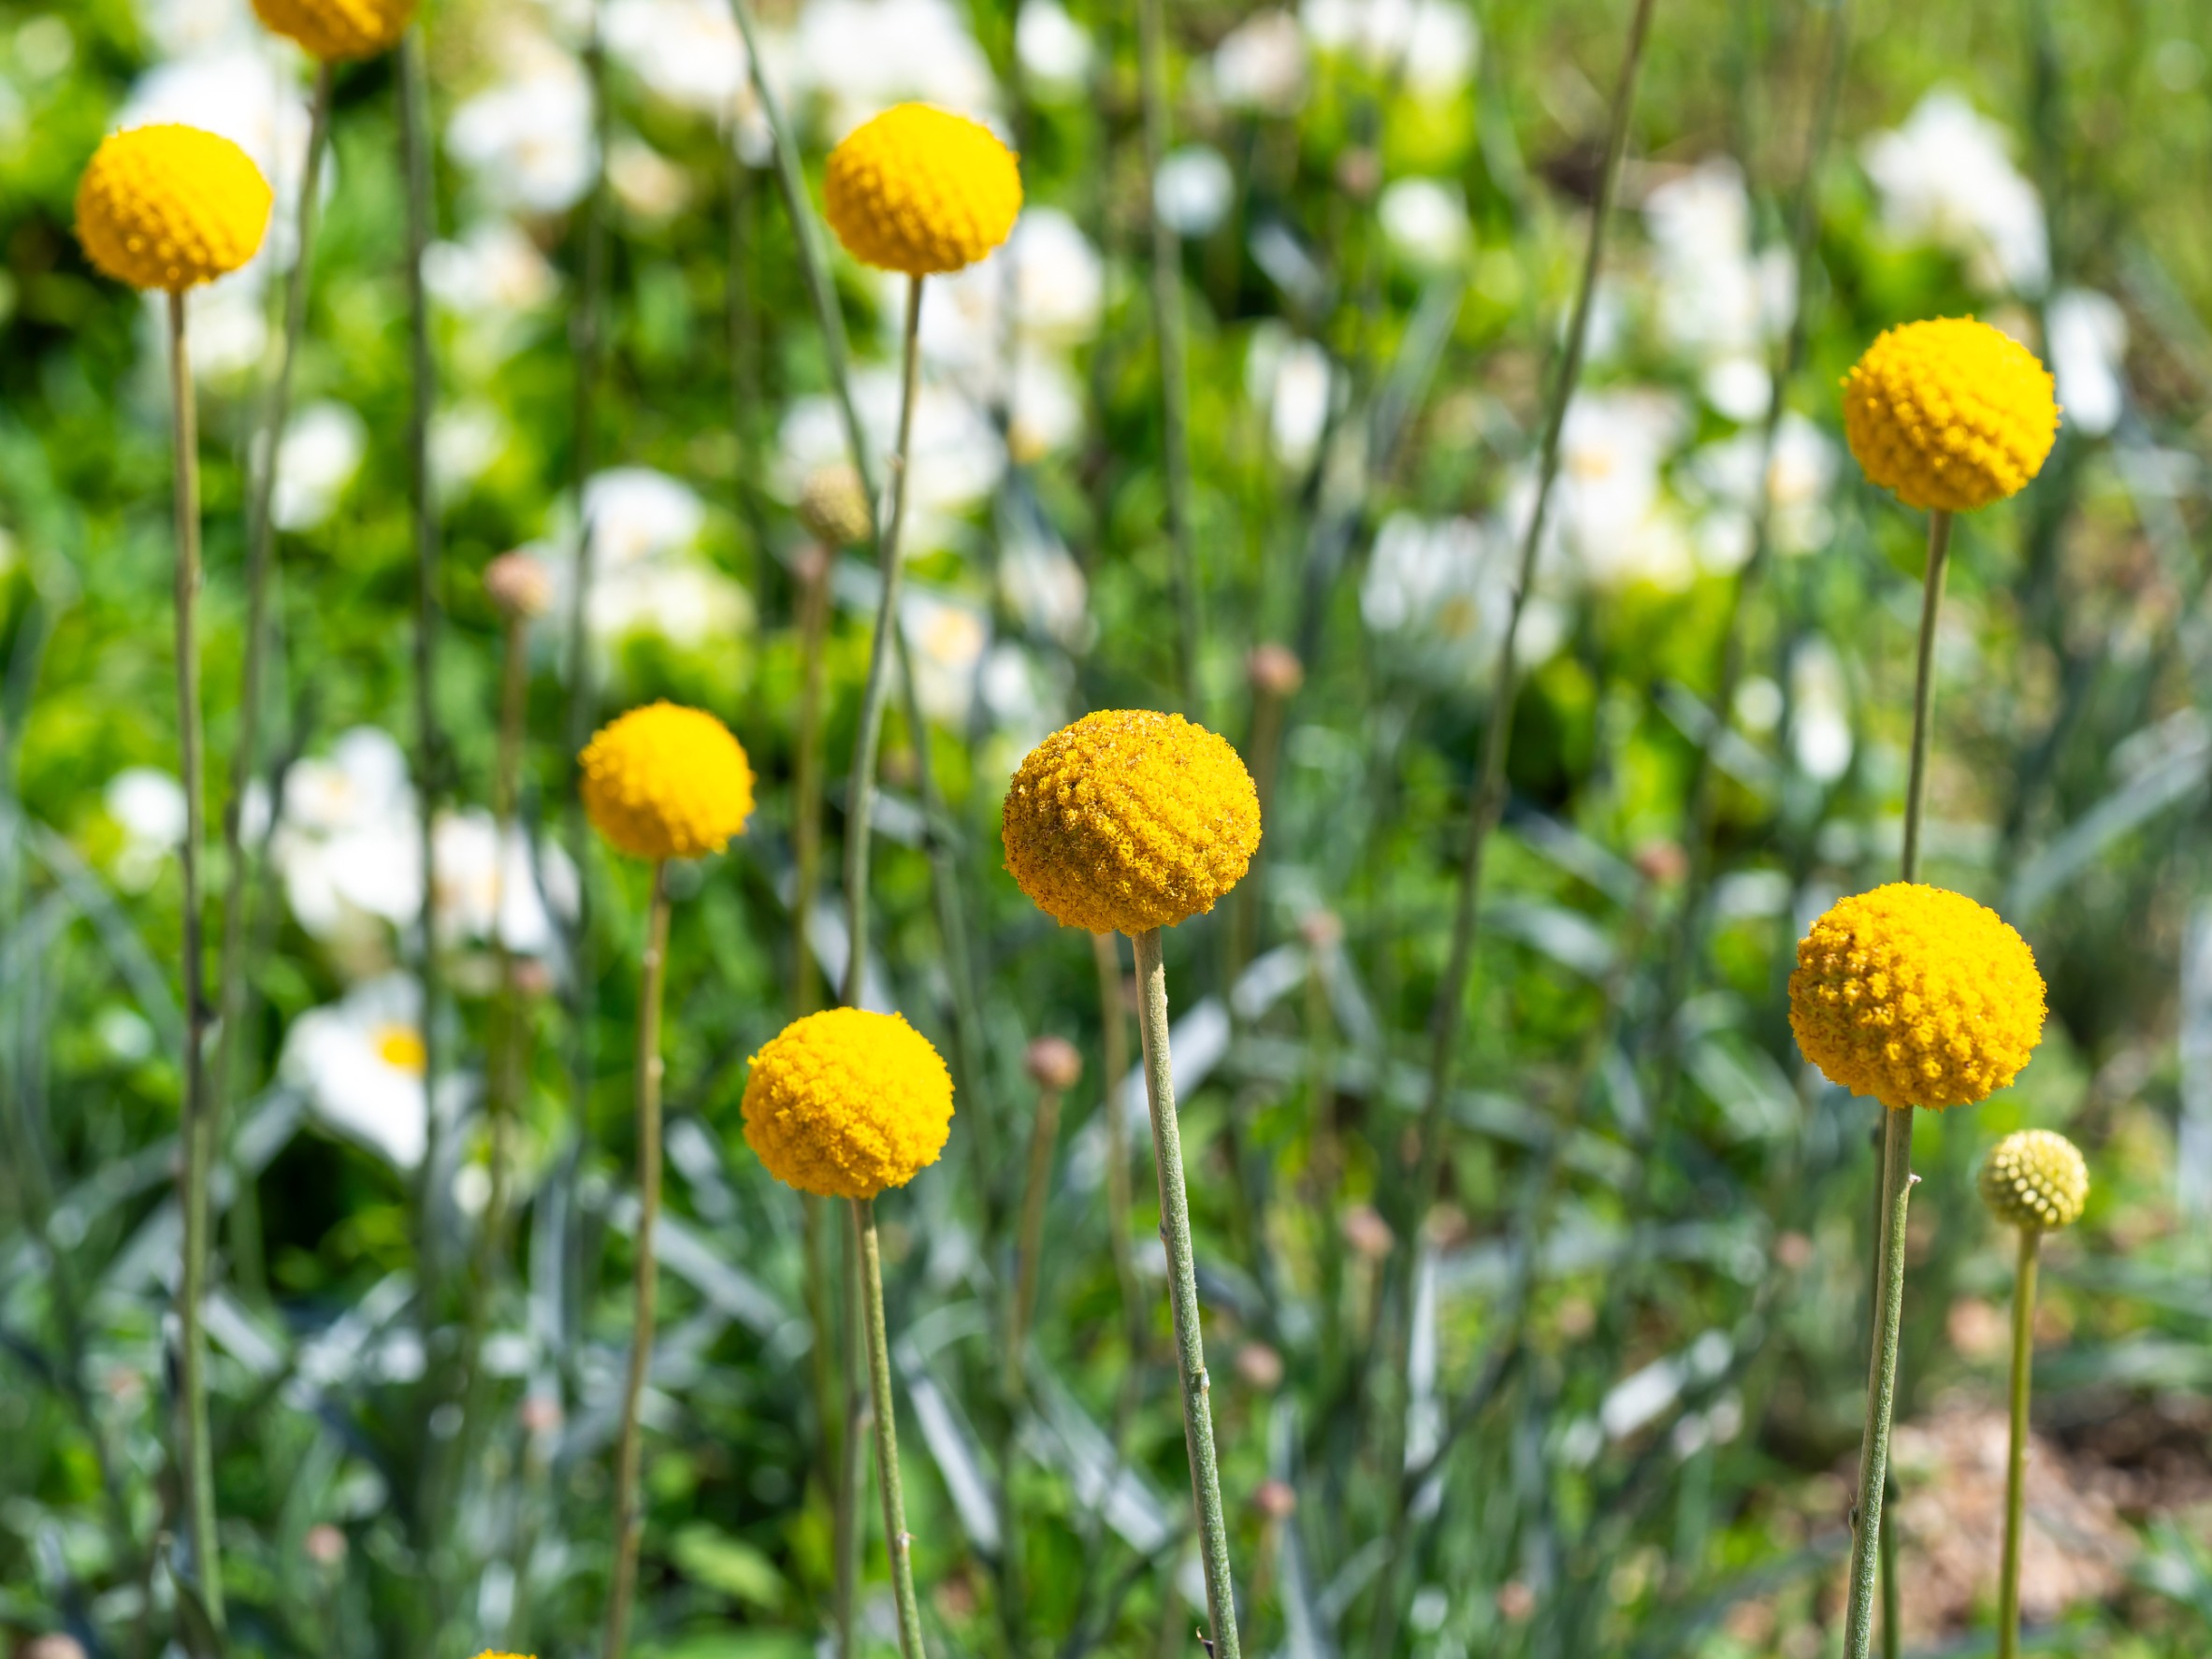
(334, 30)
(845, 1103)
(919, 190)
(1949, 415)
(170, 207)
(1129, 821)
(2035, 1178)
(663, 782)
(1916, 996)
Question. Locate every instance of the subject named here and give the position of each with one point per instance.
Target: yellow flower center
(401, 1047)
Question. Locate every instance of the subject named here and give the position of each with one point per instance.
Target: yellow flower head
(2035, 1178)
(1949, 414)
(845, 1103)
(919, 190)
(663, 782)
(1130, 820)
(1915, 996)
(170, 206)
(332, 30)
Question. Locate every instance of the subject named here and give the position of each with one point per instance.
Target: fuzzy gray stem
(1182, 1298)
(1881, 1393)
(2016, 1461)
(896, 1538)
(1931, 604)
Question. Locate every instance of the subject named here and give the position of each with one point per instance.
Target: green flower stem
(1167, 333)
(414, 144)
(860, 789)
(852, 1469)
(1044, 1135)
(1881, 1393)
(896, 1538)
(507, 1070)
(2015, 1463)
(629, 1517)
(195, 1452)
(260, 547)
(1114, 1058)
(1931, 604)
(1182, 1294)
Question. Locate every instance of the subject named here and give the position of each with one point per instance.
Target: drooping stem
(2015, 1463)
(813, 572)
(415, 141)
(861, 788)
(1931, 604)
(260, 548)
(1881, 1393)
(1167, 332)
(1044, 1135)
(896, 1538)
(1114, 1055)
(628, 1519)
(1182, 1296)
(197, 1452)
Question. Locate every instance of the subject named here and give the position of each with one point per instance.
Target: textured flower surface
(2035, 1178)
(334, 30)
(1130, 820)
(170, 206)
(919, 190)
(845, 1103)
(663, 782)
(1916, 996)
(1950, 414)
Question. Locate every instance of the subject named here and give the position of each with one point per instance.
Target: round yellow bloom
(1949, 415)
(919, 190)
(845, 1103)
(1916, 996)
(333, 30)
(170, 206)
(2035, 1178)
(663, 782)
(1130, 820)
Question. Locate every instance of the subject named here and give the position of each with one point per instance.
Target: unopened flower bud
(1054, 1063)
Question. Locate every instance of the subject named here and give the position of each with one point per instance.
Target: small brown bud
(541, 1414)
(1260, 1365)
(1662, 861)
(1054, 1063)
(833, 506)
(1366, 1231)
(1275, 670)
(518, 587)
(1515, 1600)
(1322, 930)
(1276, 1500)
(326, 1546)
(54, 1644)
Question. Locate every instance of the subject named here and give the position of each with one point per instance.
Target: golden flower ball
(1129, 821)
(845, 1103)
(170, 206)
(919, 190)
(663, 782)
(2035, 1178)
(1949, 415)
(333, 30)
(1916, 996)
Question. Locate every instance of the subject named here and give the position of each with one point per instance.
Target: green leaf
(709, 1556)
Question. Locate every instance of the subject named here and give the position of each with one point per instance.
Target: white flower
(492, 269)
(1425, 221)
(2088, 347)
(148, 807)
(1801, 473)
(465, 441)
(1944, 178)
(865, 54)
(684, 602)
(479, 874)
(1039, 579)
(1055, 50)
(1192, 190)
(646, 183)
(957, 459)
(182, 28)
(638, 513)
(947, 640)
(687, 51)
(1611, 509)
(322, 451)
(528, 139)
(1821, 711)
(347, 846)
(1290, 378)
(1441, 591)
(1018, 691)
(648, 577)
(1715, 300)
(360, 1060)
(1261, 64)
(1431, 43)
(1059, 284)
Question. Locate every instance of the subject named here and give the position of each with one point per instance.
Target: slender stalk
(1881, 1393)
(1167, 332)
(2015, 1463)
(852, 1471)
(896, 1538)
(506, 1092)
(1932, 603)
(260, 547)
(860, 788)
(1893, 1618)
(1114, 1055)
(1044, 1135)
(628, 1519)
(415, 143)
(1182, 1294)
(813, 572)
(823, 1351)
(196, 1453)
(1488, 804)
